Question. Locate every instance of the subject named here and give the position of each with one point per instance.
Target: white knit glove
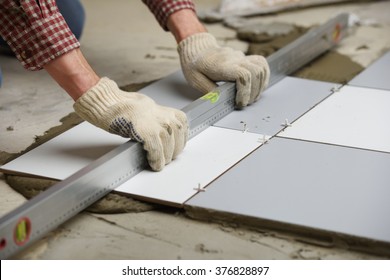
(163, 131)
(204, 62)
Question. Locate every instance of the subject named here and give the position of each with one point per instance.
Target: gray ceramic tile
(376, 75)
(288, 99)
(172, 91)
(314, 185)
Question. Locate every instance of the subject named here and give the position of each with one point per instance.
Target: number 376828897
(241, 270)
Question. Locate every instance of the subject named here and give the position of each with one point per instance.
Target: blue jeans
(72, 11)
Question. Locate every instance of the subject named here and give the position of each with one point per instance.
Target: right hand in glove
(162, 131)
(204, 63)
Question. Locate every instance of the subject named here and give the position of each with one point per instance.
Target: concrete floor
(117, 45)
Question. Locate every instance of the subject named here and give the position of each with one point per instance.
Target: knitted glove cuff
(194, 44)
(100, 97)
(94, 103)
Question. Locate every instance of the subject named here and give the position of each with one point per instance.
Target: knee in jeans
(74, 15)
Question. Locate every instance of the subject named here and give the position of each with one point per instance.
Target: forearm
(73, 73)
(183, 24)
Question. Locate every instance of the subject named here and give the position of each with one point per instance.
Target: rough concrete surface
(129, 52)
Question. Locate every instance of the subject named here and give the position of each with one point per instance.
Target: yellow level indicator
(212, 96)
(22, 231)
(336, 36)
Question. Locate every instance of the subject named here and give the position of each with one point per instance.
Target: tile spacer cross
(286, 124)
(199, 189)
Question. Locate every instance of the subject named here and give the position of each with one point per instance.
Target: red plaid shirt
(37, 33)
(162, 9)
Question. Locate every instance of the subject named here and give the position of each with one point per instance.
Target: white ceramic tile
(205, 158)
(354, 117)
(67, 153)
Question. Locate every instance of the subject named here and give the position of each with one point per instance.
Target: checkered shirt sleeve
(162, 9)
(35, 31)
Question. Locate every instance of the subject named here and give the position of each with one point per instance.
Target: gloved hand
(204, 62)
(163, 131)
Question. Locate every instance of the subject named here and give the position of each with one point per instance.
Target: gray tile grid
(319, 186)
(376, 75)
(323, 187)
(314, 185)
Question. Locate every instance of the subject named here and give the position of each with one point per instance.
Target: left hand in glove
(204, 63)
